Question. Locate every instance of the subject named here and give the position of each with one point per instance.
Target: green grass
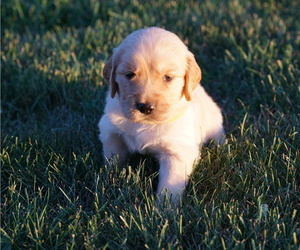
(56, 192)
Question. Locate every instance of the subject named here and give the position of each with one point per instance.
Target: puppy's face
(153, 74)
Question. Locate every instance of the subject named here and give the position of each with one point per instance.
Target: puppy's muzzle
(145, 108)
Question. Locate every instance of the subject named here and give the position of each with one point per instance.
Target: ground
(56, 191)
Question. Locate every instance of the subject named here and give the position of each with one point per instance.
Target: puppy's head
(153, 74)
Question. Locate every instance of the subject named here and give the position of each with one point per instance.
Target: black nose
(145, 108)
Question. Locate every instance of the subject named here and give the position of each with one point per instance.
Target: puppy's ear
(109, 75)
(192, 76)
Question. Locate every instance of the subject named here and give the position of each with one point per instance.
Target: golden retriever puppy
(155, 105)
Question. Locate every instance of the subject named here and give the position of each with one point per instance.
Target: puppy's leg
(211, 123)
(219, 136)
(174, 171)
(114, 147)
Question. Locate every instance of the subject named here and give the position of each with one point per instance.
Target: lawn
(57, 192)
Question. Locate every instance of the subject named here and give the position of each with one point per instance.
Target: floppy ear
(109, 75)
(192, 76)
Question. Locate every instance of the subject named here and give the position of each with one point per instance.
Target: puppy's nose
(145, 108)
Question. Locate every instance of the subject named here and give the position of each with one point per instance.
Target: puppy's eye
(168, 78)
(130, 75)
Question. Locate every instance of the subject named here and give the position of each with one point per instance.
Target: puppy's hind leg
(219, 136)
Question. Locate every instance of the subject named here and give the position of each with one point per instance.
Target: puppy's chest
(144, 139)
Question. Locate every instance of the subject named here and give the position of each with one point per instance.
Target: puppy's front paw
(174, 174)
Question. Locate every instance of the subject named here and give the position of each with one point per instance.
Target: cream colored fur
(153, 66)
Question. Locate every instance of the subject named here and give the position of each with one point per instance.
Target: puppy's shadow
(147, 165)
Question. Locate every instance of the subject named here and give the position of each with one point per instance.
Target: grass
(56, 192)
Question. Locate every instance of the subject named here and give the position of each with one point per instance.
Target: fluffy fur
(156, 105)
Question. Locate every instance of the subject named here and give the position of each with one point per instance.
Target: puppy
(155, 105)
